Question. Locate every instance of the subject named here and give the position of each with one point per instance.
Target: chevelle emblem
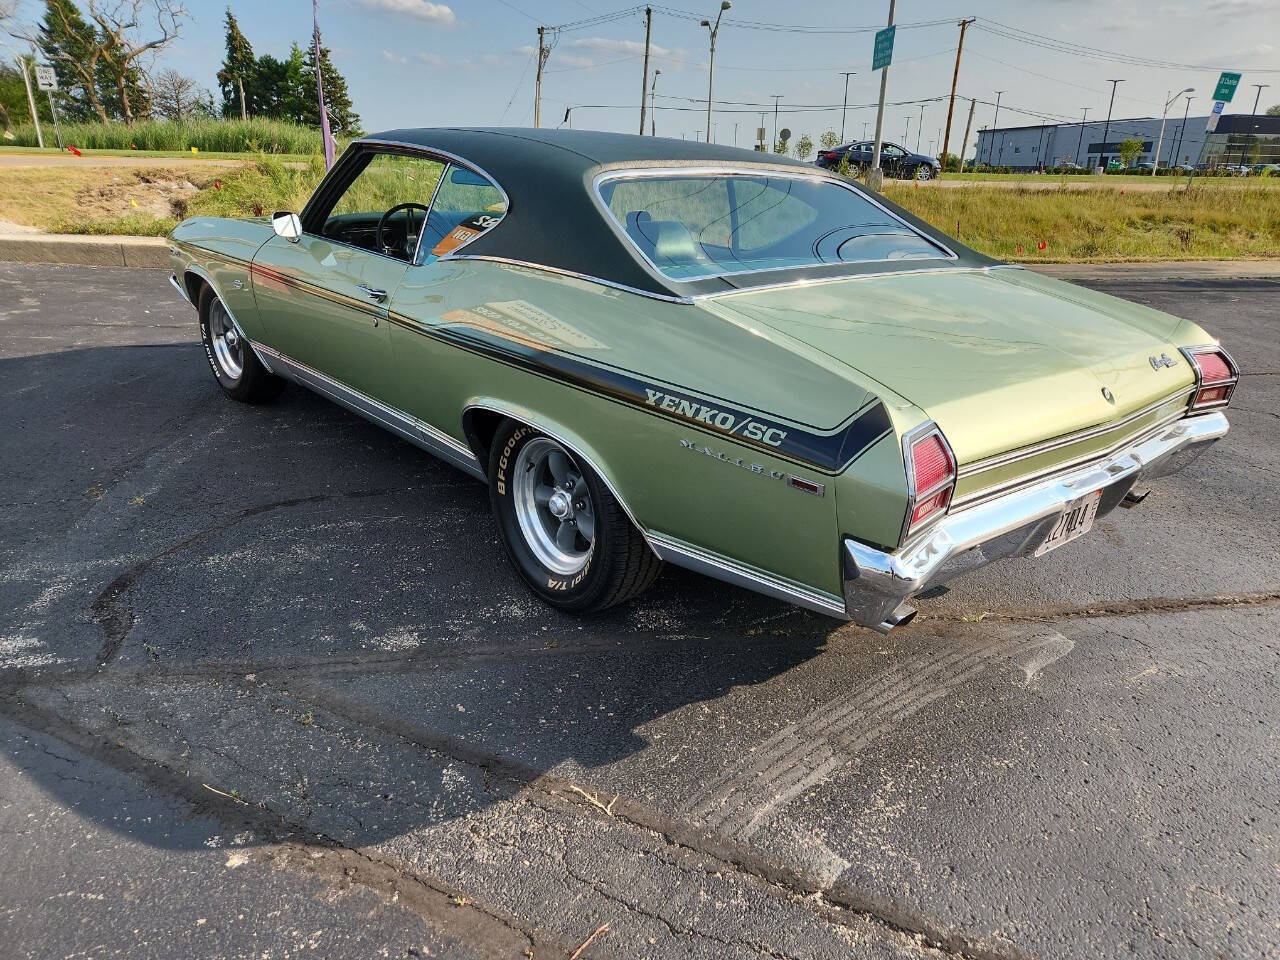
(799, 483)
(1160, 361)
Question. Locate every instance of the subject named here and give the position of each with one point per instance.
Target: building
(1239, 138)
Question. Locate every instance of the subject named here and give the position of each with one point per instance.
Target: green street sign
(883, 54)
(1227, 84)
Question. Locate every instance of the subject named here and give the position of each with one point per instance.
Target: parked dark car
(895, 161)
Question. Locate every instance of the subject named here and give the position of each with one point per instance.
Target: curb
(84, 251)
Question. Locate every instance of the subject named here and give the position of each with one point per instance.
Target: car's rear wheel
(566, 534)
(236, 367)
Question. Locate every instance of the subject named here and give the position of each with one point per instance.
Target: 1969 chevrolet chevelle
(662, 350)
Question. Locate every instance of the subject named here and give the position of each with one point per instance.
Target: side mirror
(287, 225)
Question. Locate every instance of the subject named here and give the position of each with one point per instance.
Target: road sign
(1212, 125)
(1226, 88)
(46, 77)
(883, 53)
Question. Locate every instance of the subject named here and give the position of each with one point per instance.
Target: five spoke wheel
(553, 506)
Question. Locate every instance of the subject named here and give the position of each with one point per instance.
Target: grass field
(1103, 224)
(1217, 219)
(211, 135)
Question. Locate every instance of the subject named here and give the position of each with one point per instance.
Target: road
(267, 687)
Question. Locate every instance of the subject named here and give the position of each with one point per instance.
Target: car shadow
(316, 615)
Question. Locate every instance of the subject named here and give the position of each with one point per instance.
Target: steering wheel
(408, 232)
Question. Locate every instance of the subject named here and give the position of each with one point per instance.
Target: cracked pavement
(267, 687)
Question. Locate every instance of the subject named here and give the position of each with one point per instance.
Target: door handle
(374, 294)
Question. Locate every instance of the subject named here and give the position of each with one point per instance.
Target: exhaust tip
(899, 618)
(1134, 497)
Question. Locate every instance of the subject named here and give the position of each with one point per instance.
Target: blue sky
(422, 63)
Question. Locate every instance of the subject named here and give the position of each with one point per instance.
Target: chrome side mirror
(287, 225)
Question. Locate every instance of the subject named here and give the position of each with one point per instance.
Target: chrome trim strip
(417, 432)
(731, 170)
(818, 281)
(559, 271)
(1013, 456)
(979, 496)
(203, 275)
(740, 575)
(173, 282)
(877, 583)
(528, 418)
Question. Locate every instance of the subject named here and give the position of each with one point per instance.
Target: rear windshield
(704, 225)
(699, 225)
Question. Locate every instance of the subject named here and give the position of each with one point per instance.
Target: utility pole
(1258, 96)
(653, 112)
(776, 98)
(995, 121)
(644, 77)
(31, 100)
(875, 176)
(967, 127)
(1106, 130)
(1182, 129)
(711, 64)
(1155, 167)
(844, 110)
(919, 128)
(951, 104)
(1081, 143)
(543, 53)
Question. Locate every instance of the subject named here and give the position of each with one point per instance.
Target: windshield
(704, 225)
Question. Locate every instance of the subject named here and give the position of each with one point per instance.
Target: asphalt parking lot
(267, 687)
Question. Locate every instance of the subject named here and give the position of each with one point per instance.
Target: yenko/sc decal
(728, 421)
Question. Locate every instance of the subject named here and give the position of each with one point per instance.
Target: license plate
(1075, 521)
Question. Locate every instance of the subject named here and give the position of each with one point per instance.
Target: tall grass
(257, 189)
(208, 135)
(1102, 224)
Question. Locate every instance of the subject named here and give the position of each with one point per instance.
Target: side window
(366, 213)
(465, 206)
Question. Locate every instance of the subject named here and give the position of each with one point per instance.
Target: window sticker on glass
(468, 229)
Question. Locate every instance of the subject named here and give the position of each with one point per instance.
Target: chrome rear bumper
(878, 584)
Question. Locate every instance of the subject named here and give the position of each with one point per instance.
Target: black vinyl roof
(555, 219)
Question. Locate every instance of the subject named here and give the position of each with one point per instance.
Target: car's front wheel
(924, 172)
(566, 534)
(235, 366)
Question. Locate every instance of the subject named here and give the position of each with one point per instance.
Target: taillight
(931, 477)
(1216, 376)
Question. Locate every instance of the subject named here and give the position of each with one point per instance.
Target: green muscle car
(657, 350)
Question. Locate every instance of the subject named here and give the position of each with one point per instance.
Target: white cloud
(392, 57)
(609, 45)
(421, 9)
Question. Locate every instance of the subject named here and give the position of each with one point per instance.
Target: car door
(323, 297)
(891, 158)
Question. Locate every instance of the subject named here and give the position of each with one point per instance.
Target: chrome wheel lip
(228, 345)
(541, 522)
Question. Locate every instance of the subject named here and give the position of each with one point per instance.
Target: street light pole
(1106, 130)
(995, 122)
(919, 127)
(711, 66)
(1080, 144)
(844, 111)
(1258, 96)
(1183, 129)
(776, 98)
(1155, 167)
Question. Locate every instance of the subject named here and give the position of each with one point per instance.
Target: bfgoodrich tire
(564, 531)
(235, 366)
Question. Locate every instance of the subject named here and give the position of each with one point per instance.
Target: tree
(175, 97)
(73, 46)
(782, 146)
(1130, 150)
(1273, 110)
(280, 86)
(342, 116)
(829, 140)
(804, 147)
(125, 48)
(238, 68)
